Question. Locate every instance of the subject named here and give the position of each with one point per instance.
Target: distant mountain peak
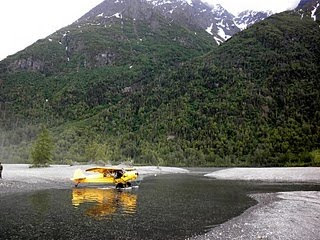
(250, 17)
(193, 14)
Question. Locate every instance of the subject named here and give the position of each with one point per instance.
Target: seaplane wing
(109, 170)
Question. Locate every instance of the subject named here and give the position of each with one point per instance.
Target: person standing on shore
(1, 168)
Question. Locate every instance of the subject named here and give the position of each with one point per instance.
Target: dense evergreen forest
(253, 101)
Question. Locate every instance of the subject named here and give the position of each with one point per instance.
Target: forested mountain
(86, 68)
(150, 91)
(254, 100)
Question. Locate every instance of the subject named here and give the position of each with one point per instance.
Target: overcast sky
(22, 22)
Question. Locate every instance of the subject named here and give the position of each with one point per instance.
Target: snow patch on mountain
(159, 2)
(117, 15)
(313, 12)
(218, 40)
(209, 29)
(222, 34)
(189, 2)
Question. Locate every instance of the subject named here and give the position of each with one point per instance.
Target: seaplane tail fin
(78, 175)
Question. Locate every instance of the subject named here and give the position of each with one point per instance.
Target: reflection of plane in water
(108, 201)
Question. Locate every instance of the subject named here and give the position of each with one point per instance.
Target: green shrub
(315, 157)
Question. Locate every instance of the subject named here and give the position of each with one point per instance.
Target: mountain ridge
(216, 20)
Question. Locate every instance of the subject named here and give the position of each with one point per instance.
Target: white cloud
(22, 22)
(237, 6)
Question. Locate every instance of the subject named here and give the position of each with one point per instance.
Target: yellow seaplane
(121, 177)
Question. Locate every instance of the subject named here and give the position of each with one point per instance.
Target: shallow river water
(163, 207)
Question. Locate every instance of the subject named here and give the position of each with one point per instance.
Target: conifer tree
(41, 153)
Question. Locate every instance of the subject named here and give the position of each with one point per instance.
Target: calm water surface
(163, 207)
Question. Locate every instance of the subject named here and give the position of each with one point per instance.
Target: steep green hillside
(252, 101)
(84, 69)
(70, 65)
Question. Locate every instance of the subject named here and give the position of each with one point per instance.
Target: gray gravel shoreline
(284, 215)
(298, 174)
